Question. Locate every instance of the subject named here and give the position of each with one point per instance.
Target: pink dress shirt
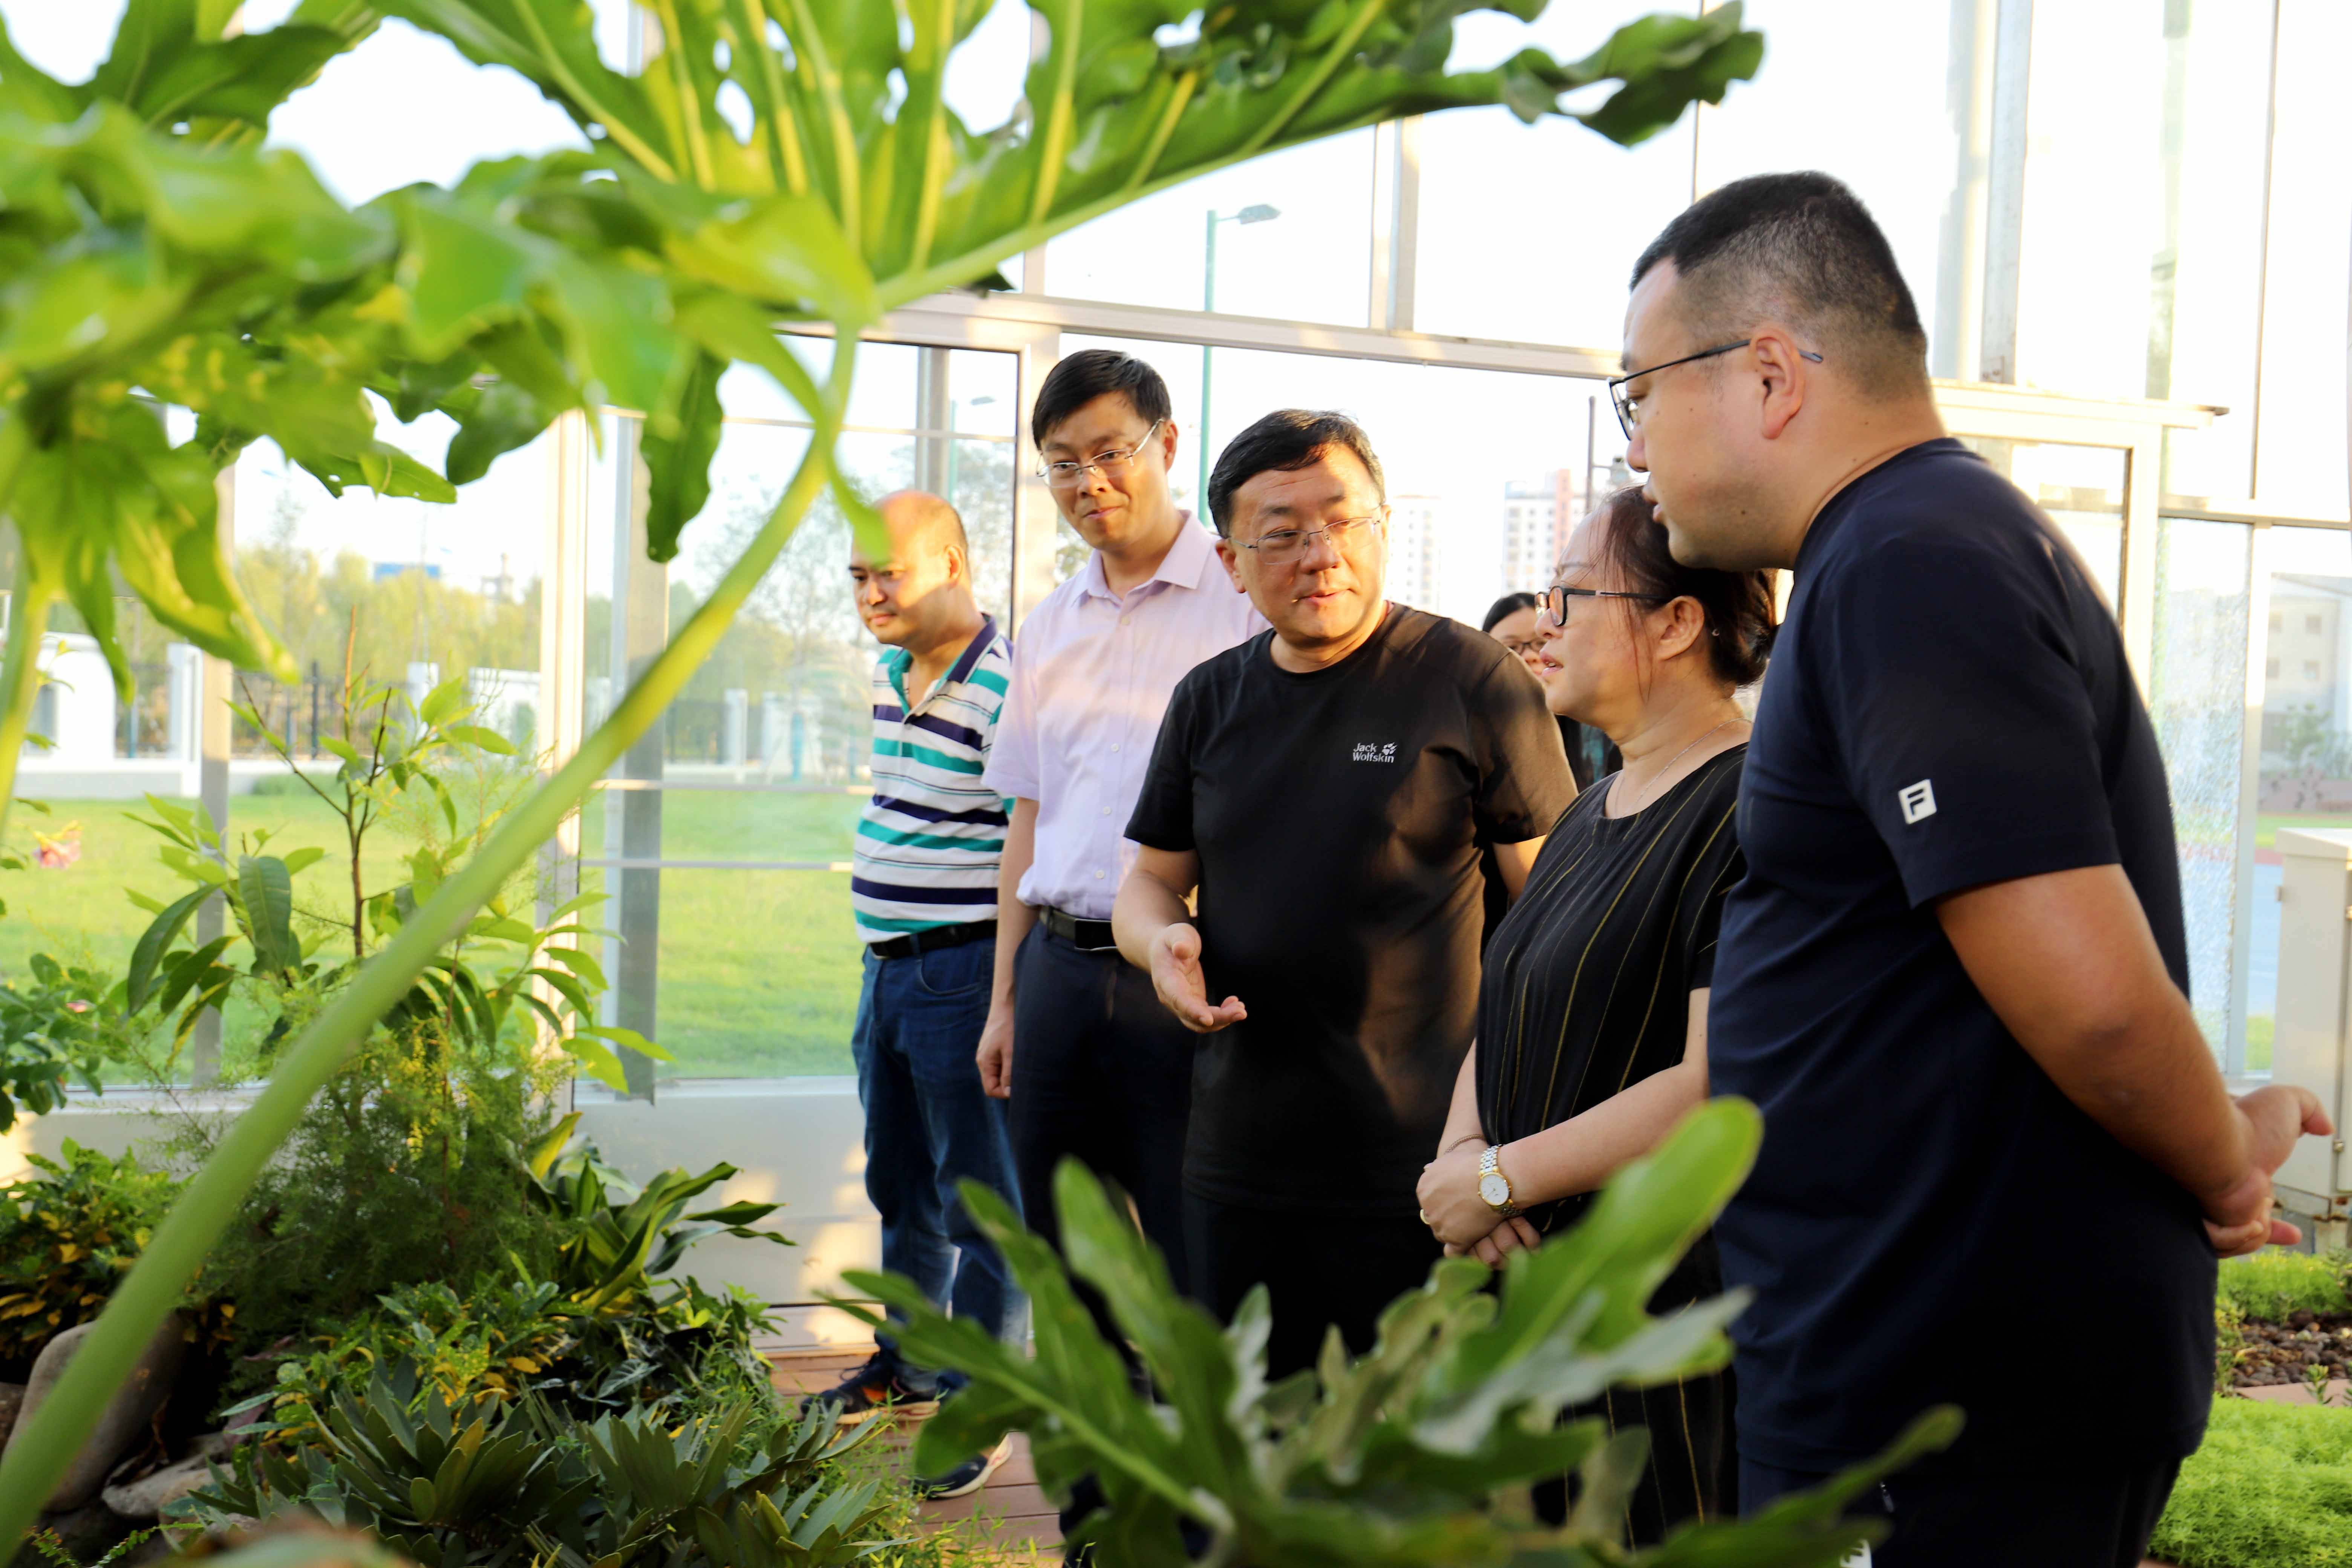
(1092, 672)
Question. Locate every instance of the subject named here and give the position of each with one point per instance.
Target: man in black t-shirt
(1953, 978)
(1325, 787)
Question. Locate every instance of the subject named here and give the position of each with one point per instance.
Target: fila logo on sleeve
(1918, 801)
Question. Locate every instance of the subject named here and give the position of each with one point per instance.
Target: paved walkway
(1016, 1516)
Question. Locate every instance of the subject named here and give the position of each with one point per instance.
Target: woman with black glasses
(1592, 1012)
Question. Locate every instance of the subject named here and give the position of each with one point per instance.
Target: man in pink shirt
(1094, 1064)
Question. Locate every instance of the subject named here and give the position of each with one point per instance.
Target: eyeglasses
(1521, 647)
(1069, 474)
(1556, 598)
(1628, 407)
(1285, 545)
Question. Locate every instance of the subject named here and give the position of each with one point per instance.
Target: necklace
(1678, 756)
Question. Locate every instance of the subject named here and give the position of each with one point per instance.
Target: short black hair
(1085, 375)
(1284, 441)
(1502, 609)
(1801, 247)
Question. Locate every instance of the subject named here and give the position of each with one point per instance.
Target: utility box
(2314, 1015)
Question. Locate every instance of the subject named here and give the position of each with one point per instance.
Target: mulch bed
(2281, 1353)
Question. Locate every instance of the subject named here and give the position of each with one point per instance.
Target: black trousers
(2069, 1512)
(1102, 1071)
(1319, 1269)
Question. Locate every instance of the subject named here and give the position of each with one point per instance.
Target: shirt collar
(896, 661)
(1186, 564)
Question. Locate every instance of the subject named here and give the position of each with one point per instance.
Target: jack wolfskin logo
(1367, 751)
(1918, 801)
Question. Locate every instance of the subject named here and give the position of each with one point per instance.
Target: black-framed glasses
(1627, 404)
(1556, 598)
(1285, 545)
(1113, 464)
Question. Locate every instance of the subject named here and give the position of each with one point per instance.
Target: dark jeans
(2072, 1511)
(1102, 1071)
(1318, 1270)
(929, 1126)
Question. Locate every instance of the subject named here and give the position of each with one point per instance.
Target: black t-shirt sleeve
(1524, 782)
(1162, 818)
(1960, 714)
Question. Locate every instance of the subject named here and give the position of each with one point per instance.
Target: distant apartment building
(1537, 516)
(2305, 670)
(1413, 575)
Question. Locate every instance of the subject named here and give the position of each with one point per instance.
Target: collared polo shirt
(931, 836)
(1091, 679)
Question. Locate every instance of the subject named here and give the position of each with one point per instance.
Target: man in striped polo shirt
(923, 891)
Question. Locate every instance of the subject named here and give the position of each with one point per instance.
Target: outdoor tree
(775, 161)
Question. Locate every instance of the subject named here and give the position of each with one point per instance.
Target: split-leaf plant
(1392, 1459)
(776, 161)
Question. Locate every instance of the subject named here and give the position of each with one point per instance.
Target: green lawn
(759, 969)
(2267, 823)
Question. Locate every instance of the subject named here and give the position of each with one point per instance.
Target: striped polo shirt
(931, 837)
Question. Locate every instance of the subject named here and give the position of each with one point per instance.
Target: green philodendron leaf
(677, 464)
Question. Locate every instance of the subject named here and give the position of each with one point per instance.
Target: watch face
(1494, 1189)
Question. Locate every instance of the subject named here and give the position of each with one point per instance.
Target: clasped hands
(1458, 1217)
(2238, 1219)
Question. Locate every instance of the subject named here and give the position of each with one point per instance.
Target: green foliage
(2271, 1487)
(454, 1488)
(48, 1545)
(586, 1326)
(67, 1022)
(2273, 1284)
(68, 1232)
(1390, 1458)
(144, 250)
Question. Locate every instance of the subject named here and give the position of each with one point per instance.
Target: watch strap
(1490, 1163)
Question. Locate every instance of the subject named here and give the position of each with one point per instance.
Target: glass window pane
(1208, 244)
(1455, 444)
(2196, 688)
(2306, 307)
(2304, 776)
(1902, 70)
(763, 757)
(1528, 232)
(421, 593)
(2094, 192)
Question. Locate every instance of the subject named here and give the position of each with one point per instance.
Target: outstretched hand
(1184, 990)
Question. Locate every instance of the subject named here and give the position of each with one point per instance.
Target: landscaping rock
(140, 1500)
(125, 1418)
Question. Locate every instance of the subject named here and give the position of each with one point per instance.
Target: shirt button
(1124, 619)
(1099, 876)
(1113, 748)
(1105, 811)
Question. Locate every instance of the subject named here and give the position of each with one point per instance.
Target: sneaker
(965, 1479)
(873, 1389)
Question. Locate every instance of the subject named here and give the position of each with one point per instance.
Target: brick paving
(1017, 1518)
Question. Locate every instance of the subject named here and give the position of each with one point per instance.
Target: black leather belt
(920, 942)
(1087, 936)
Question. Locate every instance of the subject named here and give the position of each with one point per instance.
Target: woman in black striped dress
(1592, 1012)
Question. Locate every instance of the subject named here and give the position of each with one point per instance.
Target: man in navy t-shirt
(1953, 978)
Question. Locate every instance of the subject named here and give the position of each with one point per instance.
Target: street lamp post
(1257, 212)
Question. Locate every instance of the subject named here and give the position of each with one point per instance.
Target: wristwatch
(1493, 1185)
